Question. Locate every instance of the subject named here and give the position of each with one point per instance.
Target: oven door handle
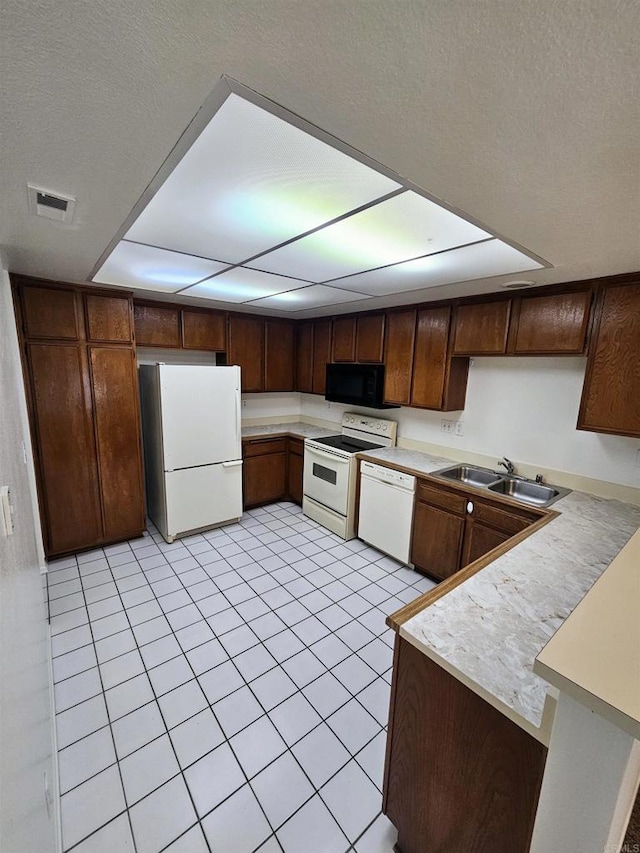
(326, 454)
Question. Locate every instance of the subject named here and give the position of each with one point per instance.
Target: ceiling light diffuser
(149, 268)
(314, 296)
(480, 260)
(242, 285)
(251, 181)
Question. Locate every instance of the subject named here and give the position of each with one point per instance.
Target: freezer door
(203, 497)
(200, 415)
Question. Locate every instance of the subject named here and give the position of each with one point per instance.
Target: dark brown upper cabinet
(344, 339)
(482, 328)
(49, 313)
(246, 349)
(321, 354)
(550, 325)
(108, 318)
(204, 330)
(439, 381)
(157, 325)
(611, 393)
(399, 344)
(304, 356)
(279, 345)
(370, 338)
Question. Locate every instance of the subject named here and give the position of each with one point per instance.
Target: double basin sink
(509, 485)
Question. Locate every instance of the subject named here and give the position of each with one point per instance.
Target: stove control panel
(364, 426)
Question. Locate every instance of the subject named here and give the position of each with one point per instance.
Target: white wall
(25, 706)
(266, 406)
(522, 408)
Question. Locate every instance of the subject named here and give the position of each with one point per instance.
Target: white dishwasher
(386, 509)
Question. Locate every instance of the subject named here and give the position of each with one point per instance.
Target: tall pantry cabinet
(79, 365)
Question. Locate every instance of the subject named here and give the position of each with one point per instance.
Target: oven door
(326, 477)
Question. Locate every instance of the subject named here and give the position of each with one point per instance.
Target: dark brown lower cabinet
(295, 460)
(437, 540)
(264, 471)
(460, 777)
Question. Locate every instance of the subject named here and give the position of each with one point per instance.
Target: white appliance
(192, 447)
(330, 470)
(386, 509)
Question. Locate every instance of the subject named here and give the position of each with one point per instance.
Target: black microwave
(356, 385)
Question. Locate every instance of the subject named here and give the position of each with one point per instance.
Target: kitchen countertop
(488, 631)
(294, 428)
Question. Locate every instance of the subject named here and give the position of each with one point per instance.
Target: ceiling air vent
(518, 285)
(51, 205)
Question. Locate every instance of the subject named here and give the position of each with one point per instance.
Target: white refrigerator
(192, 446)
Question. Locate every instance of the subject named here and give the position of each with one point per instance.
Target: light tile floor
(228, 692)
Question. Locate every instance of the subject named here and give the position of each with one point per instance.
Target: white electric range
(330, 470)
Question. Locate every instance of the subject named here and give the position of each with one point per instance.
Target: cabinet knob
(469, 507)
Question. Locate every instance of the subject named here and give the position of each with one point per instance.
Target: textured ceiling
(523, 114)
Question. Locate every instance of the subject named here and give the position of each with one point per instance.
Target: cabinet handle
(469, 507)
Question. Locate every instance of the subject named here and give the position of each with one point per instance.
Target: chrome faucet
(508, 464)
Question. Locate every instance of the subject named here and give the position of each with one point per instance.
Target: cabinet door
(117, 425)
(479, 540)
(68, 481)
(370, 339)
(264, 478)
(108, 318)
(344, 339)
(611, 392)
(321, 354)
(204, 330)
(552, 324)
(482, 328)
(304, 357)
(436, 540)
(49, 313)
(278, 355)
(430, 358)
(156, 326)
(246, 348)
(399, 344)
(295, 469)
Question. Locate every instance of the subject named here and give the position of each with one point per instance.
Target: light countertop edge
(296, 429)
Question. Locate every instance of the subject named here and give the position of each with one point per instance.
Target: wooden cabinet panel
(552, 324)
(321, 354)
(68, 481)
(430, 358)
(479, 540)
(295, 469)
(263, 446)
(344, 339)
(370, 338)
(481, 328)
(399, 344)
(246, 348)
(115, 400)
(264, 478)
(108, 318)
(460, 777)
(304, 357)
(278, 355)
(156, 325)
(436, 540)
(503, 518)
(611, 393)
(49, 313)
(452, 501)
(204, 330)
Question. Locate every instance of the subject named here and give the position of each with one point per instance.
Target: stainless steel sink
(535, 494)
(468, 474)
(518, 488)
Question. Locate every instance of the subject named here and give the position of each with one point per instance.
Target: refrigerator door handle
(233, 464)
(238, 427)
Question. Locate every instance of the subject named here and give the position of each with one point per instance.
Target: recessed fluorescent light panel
(254, 204)
(314, 296)
(242, 285)
(148, 268)
(481, 260)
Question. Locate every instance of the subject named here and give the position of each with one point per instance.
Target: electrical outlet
(446, 426)
(638, 458)
(459, 427)
(328, 405)
(244, 404)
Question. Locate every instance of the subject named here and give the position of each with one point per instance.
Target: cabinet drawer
(296, 446)
(501, 518)
(441, 498)
(262, 446)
